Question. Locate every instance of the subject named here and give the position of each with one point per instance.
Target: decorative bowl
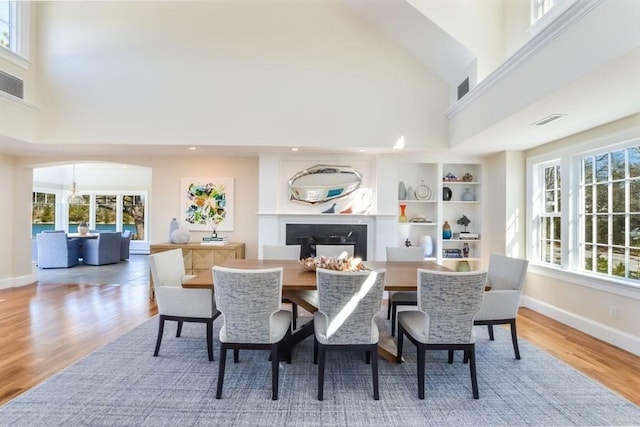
(338, 264)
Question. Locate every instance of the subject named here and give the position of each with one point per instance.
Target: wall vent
(463, 88)
(11, 85)
(548, 119)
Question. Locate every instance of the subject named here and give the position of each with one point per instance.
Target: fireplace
(310, 235)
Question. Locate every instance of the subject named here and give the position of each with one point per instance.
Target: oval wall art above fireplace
(321, 183)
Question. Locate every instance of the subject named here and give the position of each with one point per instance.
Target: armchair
(505, 278)
(125, 243)
(105, 249)
(56, 250)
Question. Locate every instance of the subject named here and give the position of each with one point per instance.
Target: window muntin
(550, 224)
(610, 213)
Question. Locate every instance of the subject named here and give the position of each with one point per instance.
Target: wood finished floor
(47, 327)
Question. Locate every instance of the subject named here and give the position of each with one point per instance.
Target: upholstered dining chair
(55, 250)
(347, 305)
(250, 301)
(176, 303)
(105, 249)
(447, 304)
(286, 252)
(334, 251)
(412, 253)
(505, 280)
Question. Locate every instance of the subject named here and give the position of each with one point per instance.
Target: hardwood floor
(47, 327)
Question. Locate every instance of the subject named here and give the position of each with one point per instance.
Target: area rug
(122, 384)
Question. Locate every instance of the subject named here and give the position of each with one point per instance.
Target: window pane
(79, 213)
(602, 229)
(634, 196)
(5, 41)
(549, 205)
(634, 264)
(617, 262)
(133, 215)
(588, 228)
(602, 168)
(549, 178)
(546, 228)
(588, 257)
(618, 235)
(556, 252)
(618, 197)
(556, 228)
(588, 199)
(546, 251)
(602, 198)
(559, 209)
(587, 170)
(43, 212)
(617, 165)
(634, 161)
(106, 212)
(603, 261)
(634, 230)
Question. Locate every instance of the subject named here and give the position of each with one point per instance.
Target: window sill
(14, 58)
(617, 287)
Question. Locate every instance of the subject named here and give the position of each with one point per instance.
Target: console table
(199, 257)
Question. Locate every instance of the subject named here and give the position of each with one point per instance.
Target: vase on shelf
(468, 195)
(403, 214)
(446, 230)
(427, 245)
(465, 250)
(173, 226)
(463, 266)
(83, 228)
(402, 191)
(446, 194)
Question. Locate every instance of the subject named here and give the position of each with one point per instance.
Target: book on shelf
(468, 236)
(215, 240)
(214, 243)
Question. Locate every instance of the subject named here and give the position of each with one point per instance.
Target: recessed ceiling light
(294, 149)
(399, 145)
(362, 150)
(192, 148)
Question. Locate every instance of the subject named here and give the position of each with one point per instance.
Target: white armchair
(505, 277)
(180, 304)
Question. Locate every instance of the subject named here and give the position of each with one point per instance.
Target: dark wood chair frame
(510, 322)
(469, 357)
(319, 358)
(276, 349)
(180, 319)
(392, 312)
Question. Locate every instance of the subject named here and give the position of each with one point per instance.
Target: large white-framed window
(584, 209)
(14, 31)
(544, 12)
(8, 25)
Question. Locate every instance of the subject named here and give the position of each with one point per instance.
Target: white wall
(288, 73)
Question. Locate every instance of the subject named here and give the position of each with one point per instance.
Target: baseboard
(603, 332)
(27, 279)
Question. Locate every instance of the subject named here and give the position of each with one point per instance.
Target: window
(584, 209)
(79, 212)
(43, 212)
(7, 24)
(610, 213)
(133, 217)
(550, 218)
(541, 7)
(106, 208)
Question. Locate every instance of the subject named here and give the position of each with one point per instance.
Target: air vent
(11, 85)
(548, 119)
(463, 88)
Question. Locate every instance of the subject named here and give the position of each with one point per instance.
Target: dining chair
(408, 298)
(347, 305)
(56, 250)
(250, 301)
(105, 249)
(334, 251)
(286, 252)
(176, 303)
(447, 304)
(505, 280)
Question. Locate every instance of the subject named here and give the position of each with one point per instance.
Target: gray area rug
(122, 384)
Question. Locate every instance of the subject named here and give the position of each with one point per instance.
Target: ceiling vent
(11, 85)
(548, 119)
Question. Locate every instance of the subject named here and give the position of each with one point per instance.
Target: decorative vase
(468, 195)
(403, 215)
(402, 191)
(410, 194)
(446, 230)
(463, 266)
(83, 229)
(173, 226)
(427, 245)
(465, 250)
(446, 194)
(181, 236)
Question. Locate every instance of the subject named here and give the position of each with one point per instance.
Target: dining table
(299, 283)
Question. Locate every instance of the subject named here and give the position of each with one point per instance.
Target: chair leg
(374, 372)
(294, 316)
(179, 330)
(472, 369)
(236, 355)
(389, 307)
(421, 362)
(210, 339)
(321, 362)
(399, 343)
(223, 359)
(450, 356)
(160, 332)
(394, 315)
(367, 357)
(315, 351)
(490, 329)
(275, 364)
(514, 338)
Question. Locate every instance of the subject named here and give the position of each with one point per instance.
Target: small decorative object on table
(450, 177)
(407, 243)
(403, 214)
(465, 250)
(463, 266)
(423, 192)
(446, 194)
(402, 191)
(180, 236)
(339, 264)
(332, 209)
(468, 195)
(467, 177)
(83, 228)
(464, 221)
(446, 230)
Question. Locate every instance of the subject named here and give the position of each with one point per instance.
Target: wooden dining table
(297, 284)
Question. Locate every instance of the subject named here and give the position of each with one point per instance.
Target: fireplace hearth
(310, 235)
